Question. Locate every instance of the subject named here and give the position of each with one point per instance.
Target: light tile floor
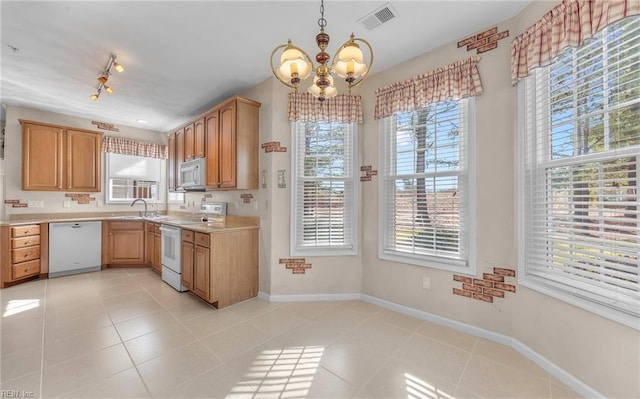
(123, 333)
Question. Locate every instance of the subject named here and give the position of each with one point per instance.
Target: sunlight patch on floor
(420, 389)
(284, 372)
(16, 306)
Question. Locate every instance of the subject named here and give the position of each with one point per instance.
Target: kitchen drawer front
(25, 242)
(202, 239)
(26, 254)
(187, 235)
(26, 269)
(117, 225)
(24, 231)
(153, 227)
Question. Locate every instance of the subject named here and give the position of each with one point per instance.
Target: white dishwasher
(74, 248)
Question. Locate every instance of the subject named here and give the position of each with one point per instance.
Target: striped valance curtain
(568, 24)
(455, 81)
(120, 145)
(343, 108)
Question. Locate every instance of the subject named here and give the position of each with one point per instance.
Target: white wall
(53, 201)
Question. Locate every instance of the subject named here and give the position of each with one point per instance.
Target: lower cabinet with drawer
(24, 253)
(221, 267)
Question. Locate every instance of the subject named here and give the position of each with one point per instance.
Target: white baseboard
(565, 377)
(308, 298)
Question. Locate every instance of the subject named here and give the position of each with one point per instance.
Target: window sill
(435, 262)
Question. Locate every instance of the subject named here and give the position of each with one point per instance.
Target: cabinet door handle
(27, 232)
(27, 242)
(27, 255)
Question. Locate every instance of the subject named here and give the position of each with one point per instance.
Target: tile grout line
(144, 383)
(464, 370)
(44, 318)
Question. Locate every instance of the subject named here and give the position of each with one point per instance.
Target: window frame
(468, 265)
(324, 250)
(561, 288)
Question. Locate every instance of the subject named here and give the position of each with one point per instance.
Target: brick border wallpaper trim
(296, 265)
(368, 172)
(105, 126)
(484, 41)
(81, 199)
(490, 286)
(273, 146)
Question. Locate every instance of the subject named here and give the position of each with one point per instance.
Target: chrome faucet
(145, 206)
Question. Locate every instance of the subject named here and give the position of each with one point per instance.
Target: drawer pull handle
(28, 254)
(27, 231)
(27, 242)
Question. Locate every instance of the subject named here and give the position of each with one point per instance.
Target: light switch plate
(66, 204)
(264, 179)
(282, 181)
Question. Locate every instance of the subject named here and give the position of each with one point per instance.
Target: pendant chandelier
(348, 63)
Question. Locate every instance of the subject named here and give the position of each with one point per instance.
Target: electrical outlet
(66, 204)
(426, 283)
(32, 204)
(255, 205)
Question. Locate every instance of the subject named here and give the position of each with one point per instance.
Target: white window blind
(580, 166)
(129, 177)
(324, 218)
(425, 191)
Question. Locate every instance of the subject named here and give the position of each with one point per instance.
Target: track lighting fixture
(104, 77)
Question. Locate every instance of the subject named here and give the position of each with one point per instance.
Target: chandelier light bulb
(95, 96)
(108, 89)
(118, 67)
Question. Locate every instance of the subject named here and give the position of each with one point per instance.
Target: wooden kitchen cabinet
(83, 159)
(59, 158)
(194, 139)
(42, 160)
(24, 253)
(123, 243)
(225, 265)
(199, 138)
(172, 165)
(232, 145)
(227, 136)
(179, 156)
(153, 248)
(201, 273)
(186, 253)
(189, 142)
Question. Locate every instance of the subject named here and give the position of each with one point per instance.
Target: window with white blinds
(324, 218)
(425, 191)
(580, 148)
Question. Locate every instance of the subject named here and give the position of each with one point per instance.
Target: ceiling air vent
(378, 17)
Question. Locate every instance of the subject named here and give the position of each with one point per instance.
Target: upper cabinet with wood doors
(172, 170)
(228, 137)
(232, 145)
(59, 158)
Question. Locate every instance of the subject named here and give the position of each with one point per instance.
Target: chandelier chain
(322, 22)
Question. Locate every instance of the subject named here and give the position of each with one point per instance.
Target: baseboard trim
(308, 298)
(565, 377)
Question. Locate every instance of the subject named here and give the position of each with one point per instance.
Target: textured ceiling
(182, 57)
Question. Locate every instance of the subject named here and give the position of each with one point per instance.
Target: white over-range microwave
(192, 175)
